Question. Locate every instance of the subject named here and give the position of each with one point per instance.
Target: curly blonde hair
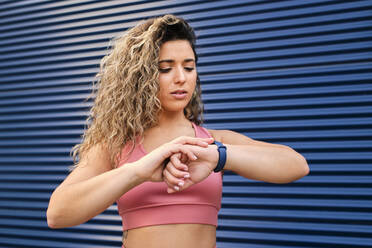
(126, 102)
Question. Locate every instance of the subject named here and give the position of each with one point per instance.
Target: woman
(145, 148)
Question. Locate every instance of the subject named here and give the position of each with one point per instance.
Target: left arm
(249, 158)
(259, 160)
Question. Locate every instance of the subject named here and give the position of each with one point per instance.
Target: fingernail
(181, 184)
(195, 157)
(186, 176)
(176, 188)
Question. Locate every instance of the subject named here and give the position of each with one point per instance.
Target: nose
(180, 76)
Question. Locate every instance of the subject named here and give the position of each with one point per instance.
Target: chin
(174, 108)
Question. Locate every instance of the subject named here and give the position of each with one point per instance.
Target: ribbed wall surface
(290, 72)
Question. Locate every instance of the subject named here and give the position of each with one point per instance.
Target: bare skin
(74, 201)
(247, 157)
(170, 236)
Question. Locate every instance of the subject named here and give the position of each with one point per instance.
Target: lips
(179, 92)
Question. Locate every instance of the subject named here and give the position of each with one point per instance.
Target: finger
(190, 154)
(188, 183)
(184, 159)
(189, 151)
(169, 185)
(172, 181)
(170, 188)
(203, 143)
(176, 172)
(178, 148)
(194, 141)
(176, 162)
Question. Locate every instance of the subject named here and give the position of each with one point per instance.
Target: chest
(156, 137)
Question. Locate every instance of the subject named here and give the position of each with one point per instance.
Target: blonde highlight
(126, 102)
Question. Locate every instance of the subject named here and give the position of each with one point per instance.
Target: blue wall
(291, 72)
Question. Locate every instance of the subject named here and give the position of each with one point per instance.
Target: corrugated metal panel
(290, 72)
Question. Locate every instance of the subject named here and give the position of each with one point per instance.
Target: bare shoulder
(235, 138)
(96, 161)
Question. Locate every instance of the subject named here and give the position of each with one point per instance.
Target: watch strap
(221, 148)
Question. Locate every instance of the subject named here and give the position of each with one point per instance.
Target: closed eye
(164, 70)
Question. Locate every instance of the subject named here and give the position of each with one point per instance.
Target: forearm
(89, 190)
(275, 163)
(76, 203)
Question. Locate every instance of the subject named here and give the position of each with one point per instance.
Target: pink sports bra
(149, 204)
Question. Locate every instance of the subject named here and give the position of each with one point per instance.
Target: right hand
(150, 167)
(198, 169)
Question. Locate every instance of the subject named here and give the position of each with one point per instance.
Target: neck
(168, 120)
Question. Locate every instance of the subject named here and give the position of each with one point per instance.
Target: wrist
(214, 151)
(136, 172)
(222, 156)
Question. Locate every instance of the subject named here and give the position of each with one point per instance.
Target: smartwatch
(221, 156)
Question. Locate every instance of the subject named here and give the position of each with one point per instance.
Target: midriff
(171, 236)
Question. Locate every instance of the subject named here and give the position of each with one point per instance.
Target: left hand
(150, 167)
(197, 170)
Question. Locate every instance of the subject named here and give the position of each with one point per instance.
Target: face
(177, 75)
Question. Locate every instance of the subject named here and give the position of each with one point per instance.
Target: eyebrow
(172, 61)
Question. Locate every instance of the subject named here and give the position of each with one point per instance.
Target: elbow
(53, 215)
(52, 220)
(57, 212)
(52, 223)
(57, 218)
(301, 169)
(304, 169)
(62, 217)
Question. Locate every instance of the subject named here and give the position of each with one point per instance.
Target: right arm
(93, 185)
(89, 189)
